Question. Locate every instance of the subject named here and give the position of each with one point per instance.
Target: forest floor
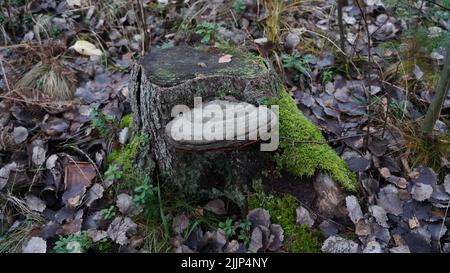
(67, 148)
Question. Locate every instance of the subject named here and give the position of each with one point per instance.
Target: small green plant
(113, 173)
(102, 246)
(126, 121)
(327, 76)
(228, 227)
(398, 108)
(296, 62)
(75, 243)
(13, 240)
(103, 123)
(166, 45)
(144, 192)
(207, 31)
(298, 238)
(239, 6)
(244, 234)
(18, 3)
(125, 158)
(27, 20)
(108, 213)
(55, 32)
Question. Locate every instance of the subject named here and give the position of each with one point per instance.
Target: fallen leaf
(73, 196)
(180, 223)
(304, 217)
(225, 59)
(353, 208)
(73, 3)
(218, 240)
(86, 48)
(421, 192)
(97, 235)
(94, 193)
(70, 227)
(4, 173)
(55, 126)
(259, 217)
(336, 244)
(256, 240)
(447, 183)
(373, 247)
(418, 73)
(418, 241)
(126, 205)
(120, 229)
(380, 215)
(20, 134)
(328, 228)
(216, 206)
(35, 203)
(389, 200)
(35, 245)
(276, 237)
(232, 247)
(400, 249)
(51, 162)
(124, 135)
(38, 156)
(413, 223)
(79, 172)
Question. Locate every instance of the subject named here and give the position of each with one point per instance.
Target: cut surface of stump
(173, 66)
(166, 78)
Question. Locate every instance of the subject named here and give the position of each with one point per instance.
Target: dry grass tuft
(51, 79)
(425, 150)
(14, 239)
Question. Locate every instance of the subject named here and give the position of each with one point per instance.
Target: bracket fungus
(221, 124)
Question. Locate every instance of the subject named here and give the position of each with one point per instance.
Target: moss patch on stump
(304, 149)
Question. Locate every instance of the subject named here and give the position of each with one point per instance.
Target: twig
(321, 216)
(437, 4)
(340, 6)
(443, 223)
(47, 105)
(369, 95)
(4, 75)
(321, 142)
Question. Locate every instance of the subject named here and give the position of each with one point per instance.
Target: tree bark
(169, 77)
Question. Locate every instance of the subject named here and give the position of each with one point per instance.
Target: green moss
(126, 121)
(304, 150)
(297, 238)
(166, 75)
(125, 158)
(245, 55)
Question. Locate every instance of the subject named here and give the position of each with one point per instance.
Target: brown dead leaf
(78, 177)
(70, 227)
(79, 172)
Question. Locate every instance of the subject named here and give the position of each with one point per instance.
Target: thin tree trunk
(340, 5)
(434, 110)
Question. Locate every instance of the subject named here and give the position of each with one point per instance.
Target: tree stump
(168, 77)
